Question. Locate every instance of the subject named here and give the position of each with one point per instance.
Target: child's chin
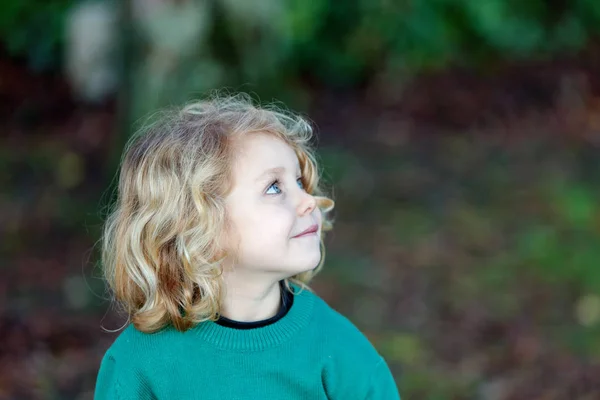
(309, 264)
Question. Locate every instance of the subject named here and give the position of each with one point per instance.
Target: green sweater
(313, 352)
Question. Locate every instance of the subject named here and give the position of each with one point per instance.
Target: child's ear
(226, 242)
(221, 245)
(220, 253)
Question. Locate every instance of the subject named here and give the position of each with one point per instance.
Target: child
(216, 232)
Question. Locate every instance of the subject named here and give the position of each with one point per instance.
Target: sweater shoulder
(351, 361)
(132, 344)
(342, 335)
(123, 371)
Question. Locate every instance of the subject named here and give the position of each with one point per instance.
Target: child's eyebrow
(272, 171)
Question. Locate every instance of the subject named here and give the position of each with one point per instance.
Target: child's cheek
(318, 217)
(283, 223)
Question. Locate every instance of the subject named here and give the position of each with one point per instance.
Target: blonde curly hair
(160, 252)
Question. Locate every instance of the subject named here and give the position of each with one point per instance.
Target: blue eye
(274, 185)
(274, 188)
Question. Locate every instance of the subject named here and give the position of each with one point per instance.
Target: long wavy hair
(160, 252)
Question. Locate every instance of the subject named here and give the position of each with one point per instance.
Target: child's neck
(249, 301)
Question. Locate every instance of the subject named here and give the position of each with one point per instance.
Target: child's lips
(311, 230)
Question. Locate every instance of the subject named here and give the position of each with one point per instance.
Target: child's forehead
(261, 150)
(261, 144)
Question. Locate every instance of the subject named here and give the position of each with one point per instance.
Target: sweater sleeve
(382, 385)
(116, 381)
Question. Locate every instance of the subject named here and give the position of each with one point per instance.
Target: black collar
(287, 299)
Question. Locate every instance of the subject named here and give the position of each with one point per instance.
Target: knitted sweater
(313, 352)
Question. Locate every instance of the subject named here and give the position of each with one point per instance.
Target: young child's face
(268, 209)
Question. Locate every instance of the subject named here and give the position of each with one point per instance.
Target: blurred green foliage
(33, 29)
(342, 44)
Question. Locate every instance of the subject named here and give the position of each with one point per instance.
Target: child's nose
(307, 204)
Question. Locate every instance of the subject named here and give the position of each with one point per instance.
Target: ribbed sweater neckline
(264, 337)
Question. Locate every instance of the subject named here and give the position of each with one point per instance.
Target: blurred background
(460, 139)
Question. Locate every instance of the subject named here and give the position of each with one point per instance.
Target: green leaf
(576, 206)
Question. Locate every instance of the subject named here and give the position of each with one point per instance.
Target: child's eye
(275, 189)
(275, 186)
